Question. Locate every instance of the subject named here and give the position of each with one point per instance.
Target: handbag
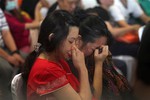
(129, 37)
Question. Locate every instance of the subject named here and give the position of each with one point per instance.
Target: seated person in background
(102, 11)
(124, 10)
(48, 3)
(47, 74)
(94, 34)
(9, 58)
(86, 4)
(42, 7)
(144, 56)
(19, 25)
(142, 84)
(29, 7)
(68, 5)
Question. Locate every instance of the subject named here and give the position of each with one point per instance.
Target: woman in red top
(47, 73)
(19, 25)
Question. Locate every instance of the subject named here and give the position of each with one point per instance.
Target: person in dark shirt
(29, 7)
(144, 56)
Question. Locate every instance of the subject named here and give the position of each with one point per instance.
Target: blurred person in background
(142, 84)
(144, 56)
(68, 5)
(10, 58)
(29, 7)
(103, 11)
(19, 25)
(128, 12)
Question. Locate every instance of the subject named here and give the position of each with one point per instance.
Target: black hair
(57, 23)
(92, 27)
(99, 11)
(98, 2)
(2, 4)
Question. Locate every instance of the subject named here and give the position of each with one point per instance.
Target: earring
(50, 36)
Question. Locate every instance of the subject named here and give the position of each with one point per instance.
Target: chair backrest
(17, 88)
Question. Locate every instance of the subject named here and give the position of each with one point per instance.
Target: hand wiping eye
(99, 49)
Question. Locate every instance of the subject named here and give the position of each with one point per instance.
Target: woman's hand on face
(100, 56)
(77, 57)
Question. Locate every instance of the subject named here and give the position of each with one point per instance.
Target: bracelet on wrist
(16, 51)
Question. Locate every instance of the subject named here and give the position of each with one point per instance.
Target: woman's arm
(38, 16)
(12, 60)
(45, 3)
(97, 79)
(119, 31)
(145, 18)
(4, 54)
(79, 63)
(85, 92)
(67, 92)
(34, 24)
(8, 40)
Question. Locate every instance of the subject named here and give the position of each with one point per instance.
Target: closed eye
(71, 41)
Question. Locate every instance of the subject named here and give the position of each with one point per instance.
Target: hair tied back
(37, 46)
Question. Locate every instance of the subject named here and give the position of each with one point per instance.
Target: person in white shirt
(88, 4)
(122, 9)
(46, 4)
